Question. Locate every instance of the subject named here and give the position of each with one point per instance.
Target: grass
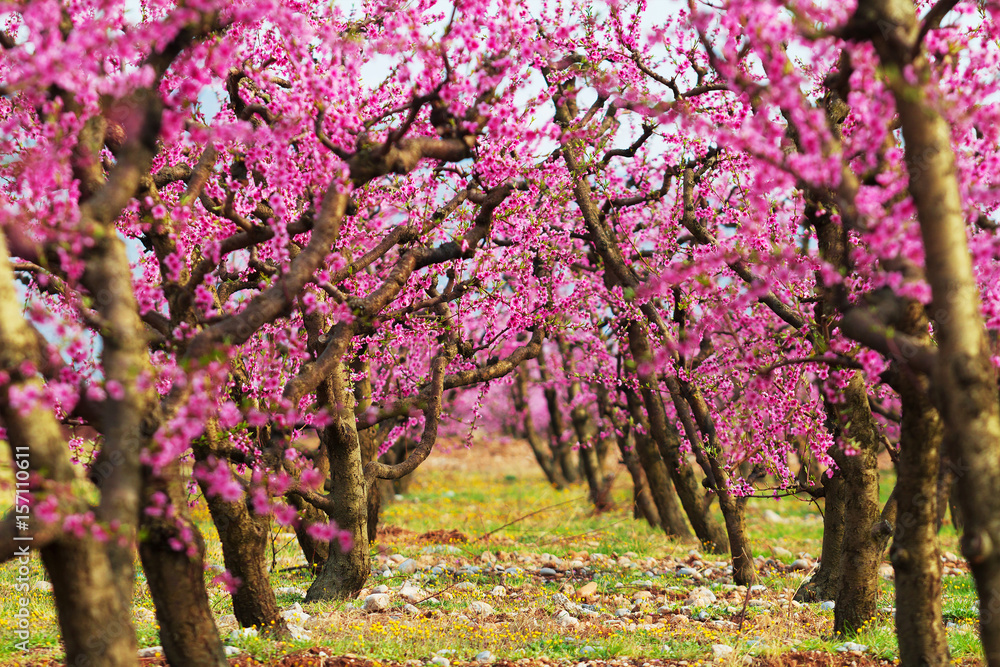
(498, 493)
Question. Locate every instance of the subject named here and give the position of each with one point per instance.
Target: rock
(299, 633)
(487, 557)
(564, 618)
(408, 566)
(410, 593)
(243, 633)
(484, 656)
(679, 619)
(441, 661)
(886, 572)
(851, 646)
(481, 608)
(622, 612)
(43, 586)
(758, 588)
(410, 609)
(151, 652)
(376, 602)
(588, 650)
(295, 615)
(829, 605)
(547, 572)
(465, 586)
(499, 592)
(146, 616)
(289, 590)
(567, 589)
(642, 595)
(588, 591)
(780, 552)
(382, 588)
(773, 517)
(576, 564)
(700, 597)
(230, 651)
(722, 651)
(512, 571)
(689, 572)
(800, 564)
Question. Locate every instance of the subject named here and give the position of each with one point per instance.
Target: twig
(530, 514)
(743, 612)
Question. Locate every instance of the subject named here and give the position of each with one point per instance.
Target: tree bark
(94, 621)
(544, 456)
(173, 557)
(915, 556)
(857, 595)
(345, 572)
(733, 509)
(243, 535)
(661, 487)
(963, 379)
(823, 585)
(708, 531)
(569, 464)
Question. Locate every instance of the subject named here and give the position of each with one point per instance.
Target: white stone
(231, 651)
(295, 615)
(243, 633)
(829, 605)
(700, 597)
(780, 552)
(441, 661)
(376, 602)
(481, 608)
(43, 586)
(151, 652)
(851, 646)
(289, 590)
(484, 656)
(408, 566)
(773, 517)
(299, 633)
(499, 592)
(722, 651)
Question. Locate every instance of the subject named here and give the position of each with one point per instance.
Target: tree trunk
(176, 578)
(642, 500)
(857, 596)
(915, 556)
(561, 448)
(345, 572)
(94, 620)
(823, 585)
(661, 487)
(963, 379)
(708, 531)
(243, 536)
(543, 454)
(733, 510)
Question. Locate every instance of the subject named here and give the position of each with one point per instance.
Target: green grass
(519, 515)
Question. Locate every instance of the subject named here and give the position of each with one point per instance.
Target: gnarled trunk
(345, 572)
(857, 595)
(823, 585)
(661, 487)
(176, 578)
(546, 461)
